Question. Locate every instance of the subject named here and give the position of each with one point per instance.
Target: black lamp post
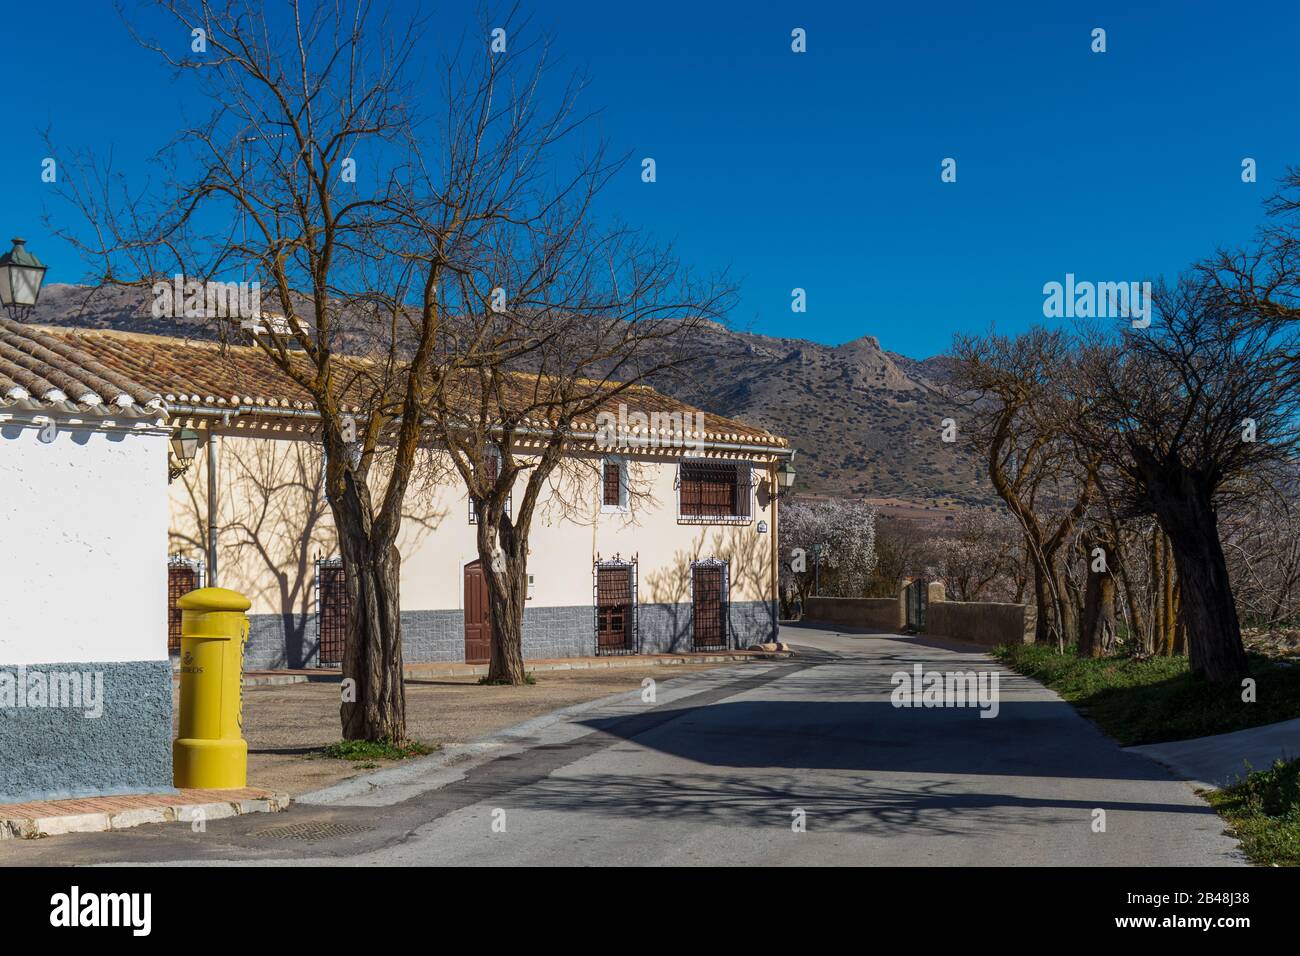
(21, 275)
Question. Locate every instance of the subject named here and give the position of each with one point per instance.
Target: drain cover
(312, 831)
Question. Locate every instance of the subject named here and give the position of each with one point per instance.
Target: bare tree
(1017, 410)
(378, 231)
(1182, 413)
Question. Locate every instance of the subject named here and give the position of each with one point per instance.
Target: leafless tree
(378, 231)
(1182, 413)
(1016, 410)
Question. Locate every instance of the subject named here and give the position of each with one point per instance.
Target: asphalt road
(719, 771)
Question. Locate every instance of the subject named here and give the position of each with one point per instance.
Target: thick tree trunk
(1097, 627)
(506, 571)
(1168, 618)
(1043, 601)
(1213, 629)
(1067, 612)
(372, 658)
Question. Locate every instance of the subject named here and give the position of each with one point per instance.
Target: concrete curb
(31, 828)
(1220, 760)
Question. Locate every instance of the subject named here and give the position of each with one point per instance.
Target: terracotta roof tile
(39, 369)
(204, 373)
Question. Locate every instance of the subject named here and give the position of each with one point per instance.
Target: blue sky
(822, 170)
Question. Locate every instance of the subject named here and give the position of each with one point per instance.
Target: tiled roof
(204, 374)
(40, 371)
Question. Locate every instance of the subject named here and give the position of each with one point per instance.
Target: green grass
(367, 751)
(1264, 811)
(1148, 700)
(528, 679)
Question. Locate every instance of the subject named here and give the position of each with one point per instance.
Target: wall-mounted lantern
(185, 448)
(784, 477)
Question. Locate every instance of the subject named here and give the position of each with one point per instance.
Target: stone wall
(978, 622)
(876, 614)
(982, 622)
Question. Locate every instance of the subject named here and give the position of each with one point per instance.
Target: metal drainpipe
(213, 440)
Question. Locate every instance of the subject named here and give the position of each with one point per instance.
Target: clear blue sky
(821, 170)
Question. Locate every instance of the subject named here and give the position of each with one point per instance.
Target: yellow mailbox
(210, 752)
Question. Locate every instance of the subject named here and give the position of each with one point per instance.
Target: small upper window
(613, 483)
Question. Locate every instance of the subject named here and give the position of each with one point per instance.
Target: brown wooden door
(181, 580)
(478, 616)
(706, 595)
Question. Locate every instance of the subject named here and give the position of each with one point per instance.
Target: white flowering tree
(832, 542)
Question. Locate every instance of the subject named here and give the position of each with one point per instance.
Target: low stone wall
(979, 622)
(876, 614)
(982, 622)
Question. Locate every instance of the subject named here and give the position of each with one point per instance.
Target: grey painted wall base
(53, 753)
(277, 641)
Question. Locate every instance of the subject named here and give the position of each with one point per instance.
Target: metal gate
(331, 611)
(616, 625)
(183, 576)
(918, 597)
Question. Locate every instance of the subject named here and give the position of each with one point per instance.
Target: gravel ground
(287, 725)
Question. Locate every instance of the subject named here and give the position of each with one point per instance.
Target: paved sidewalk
(40, 818)
(1219, 761)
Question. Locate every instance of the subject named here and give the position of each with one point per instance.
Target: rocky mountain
(865, 421)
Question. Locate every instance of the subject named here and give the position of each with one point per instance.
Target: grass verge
(1264, 812)
(369, 750)
(1153, 699)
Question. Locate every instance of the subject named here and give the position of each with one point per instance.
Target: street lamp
(185, 448)
(21, 275)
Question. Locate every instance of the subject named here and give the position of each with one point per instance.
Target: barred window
(333, 611)
(715, 491)
(613, 483)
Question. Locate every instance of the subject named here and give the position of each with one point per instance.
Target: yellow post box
(210, 752)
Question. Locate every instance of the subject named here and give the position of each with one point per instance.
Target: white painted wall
(263, 536)
(83, 537)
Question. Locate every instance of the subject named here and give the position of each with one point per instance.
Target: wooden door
(478, 616)
(613, 610)
(709, 613)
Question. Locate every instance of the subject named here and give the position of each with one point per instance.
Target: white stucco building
(85, 687)
(687, 562)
